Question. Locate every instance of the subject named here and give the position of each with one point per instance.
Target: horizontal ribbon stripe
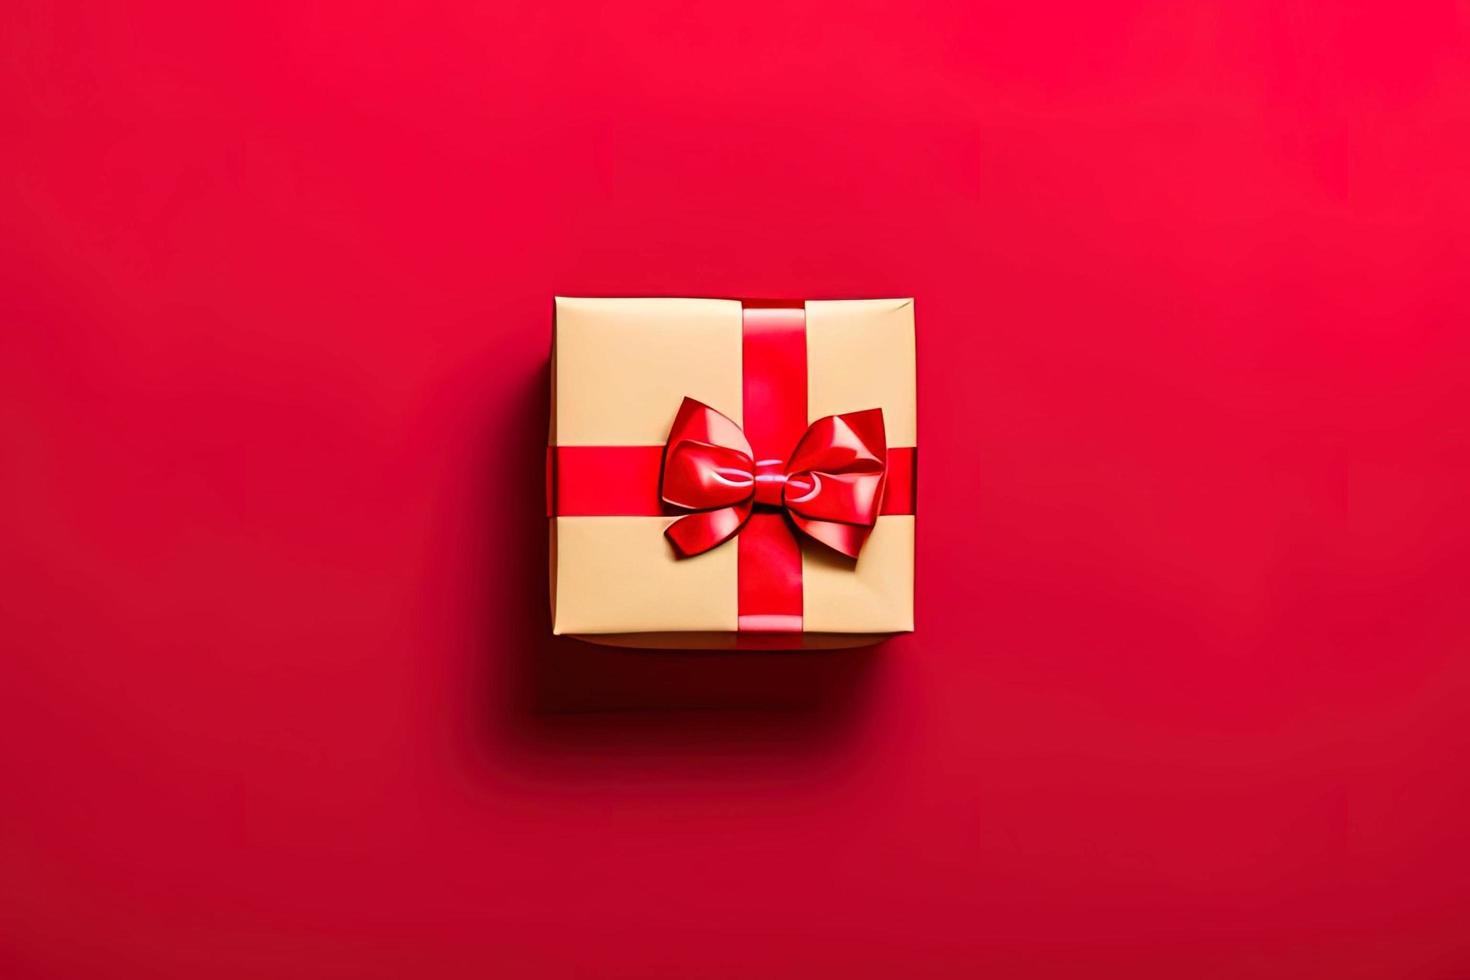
(623, 481)
(605, 481)
(901, 485)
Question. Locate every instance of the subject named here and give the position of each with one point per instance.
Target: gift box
(726, 473)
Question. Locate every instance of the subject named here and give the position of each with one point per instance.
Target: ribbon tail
(694, 534)
(847, 539)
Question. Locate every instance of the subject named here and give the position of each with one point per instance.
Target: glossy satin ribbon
(829, 487)
(760, 483)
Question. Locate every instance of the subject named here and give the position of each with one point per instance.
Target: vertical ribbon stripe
(773, 351)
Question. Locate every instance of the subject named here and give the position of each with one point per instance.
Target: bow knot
(831, 487)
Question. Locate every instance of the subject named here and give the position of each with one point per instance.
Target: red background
(1188, 696)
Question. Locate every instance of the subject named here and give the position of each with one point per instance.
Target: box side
(731, 641)
(620, 575)
(621, 368)
(860, 355)
(624, 365)
(874, 594)
(551, 553)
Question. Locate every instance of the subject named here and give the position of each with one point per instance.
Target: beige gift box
(620, 369)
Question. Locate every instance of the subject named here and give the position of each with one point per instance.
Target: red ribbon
(831, 479)
(830, 487)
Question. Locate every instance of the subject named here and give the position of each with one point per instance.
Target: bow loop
(831, 487)
(699, 476)
(698, 422)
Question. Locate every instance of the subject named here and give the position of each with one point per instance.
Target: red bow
(831, 487)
